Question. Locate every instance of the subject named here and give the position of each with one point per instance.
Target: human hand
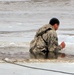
(63, 55)
(63, 45)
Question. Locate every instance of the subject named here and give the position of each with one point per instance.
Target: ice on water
(19, 21)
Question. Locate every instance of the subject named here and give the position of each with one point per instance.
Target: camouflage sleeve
(53, 41)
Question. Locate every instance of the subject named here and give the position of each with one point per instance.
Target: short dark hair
(54, 21)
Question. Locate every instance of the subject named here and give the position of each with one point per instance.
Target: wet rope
(38, 68)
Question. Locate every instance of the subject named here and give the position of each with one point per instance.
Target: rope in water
(38, 68)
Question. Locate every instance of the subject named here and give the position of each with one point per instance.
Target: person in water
(45, 43)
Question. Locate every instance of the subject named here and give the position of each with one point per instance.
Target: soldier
(45, 43)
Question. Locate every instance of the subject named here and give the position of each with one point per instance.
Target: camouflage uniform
(45, 43)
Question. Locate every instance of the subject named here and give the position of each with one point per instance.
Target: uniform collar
(50, 26)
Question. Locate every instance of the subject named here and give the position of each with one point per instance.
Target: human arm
(53, 42)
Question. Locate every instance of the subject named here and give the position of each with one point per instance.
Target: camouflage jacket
(38, 44)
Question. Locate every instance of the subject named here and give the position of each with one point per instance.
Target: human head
(55, 23)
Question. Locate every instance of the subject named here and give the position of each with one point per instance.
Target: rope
(38, 68)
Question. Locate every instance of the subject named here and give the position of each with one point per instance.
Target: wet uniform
(45, 43)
